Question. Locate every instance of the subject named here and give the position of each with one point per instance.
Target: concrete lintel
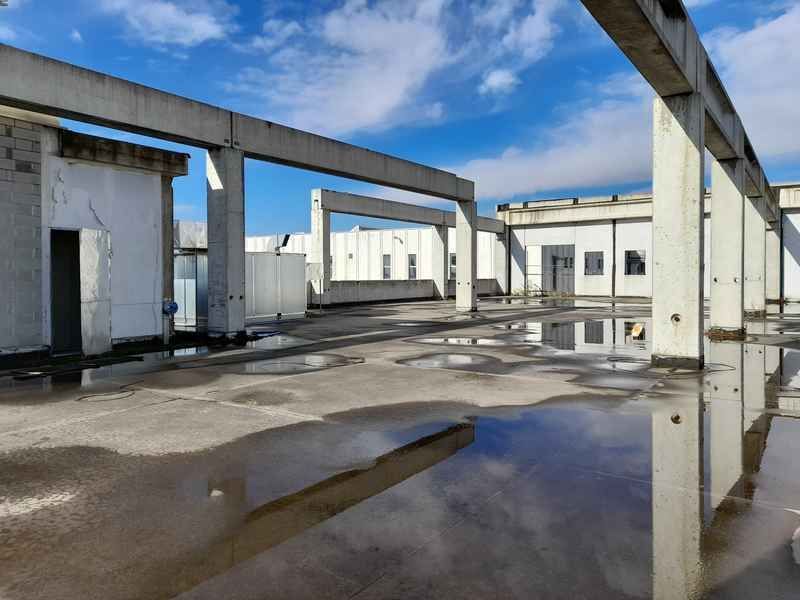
(661, 41)
(40, 84)
(80, 146)
(366, 206)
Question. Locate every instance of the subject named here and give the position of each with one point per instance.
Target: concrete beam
(661, 41)
(366, 206)
(40, 84)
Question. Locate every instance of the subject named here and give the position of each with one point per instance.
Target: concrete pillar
(678, 194)
(727, 421)
(727, 249)
(167, 253)
(501, 256)
(319, 255)
(225, 196)
(677, 505)
(755, 239)
(441, 267)
(773, 261)
(466, 257)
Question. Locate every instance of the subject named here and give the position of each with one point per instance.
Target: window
(412, 266)
(387, 266)
(635, 262)
(452, 265)
(634, 332)
(593, 332)
(592, 263)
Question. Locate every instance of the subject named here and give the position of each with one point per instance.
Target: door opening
(65, 292)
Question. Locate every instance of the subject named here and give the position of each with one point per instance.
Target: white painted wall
(791, 254)
(128, 205)
(593, 237)
(636, 234)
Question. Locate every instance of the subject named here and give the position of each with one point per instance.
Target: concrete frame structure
(41, 84)
(692, 112)
(324, 202)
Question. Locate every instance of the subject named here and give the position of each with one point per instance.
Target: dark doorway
(65, 291)
(558, 266)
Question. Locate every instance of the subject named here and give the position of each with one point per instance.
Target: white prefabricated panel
(95, 284)
(127, 205)
(275, 286)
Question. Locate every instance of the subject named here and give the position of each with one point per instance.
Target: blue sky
(527, 97)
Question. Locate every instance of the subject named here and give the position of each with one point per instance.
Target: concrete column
(466, 257)
(727, 249)
(755, 240)
(726, 390)
(225, 196)
(773, 261)
(440, 268)
(678, 194)
(501, 255)
(677, 505)
(167, 252)
(319, 255)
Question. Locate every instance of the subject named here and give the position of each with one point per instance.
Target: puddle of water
(290, 365)
(688, 501)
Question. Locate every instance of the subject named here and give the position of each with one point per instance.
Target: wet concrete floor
(530, 453)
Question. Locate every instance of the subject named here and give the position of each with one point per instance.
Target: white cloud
(759, 68)
(495, 13)
(605, 143)
(369, 65)
(174, 22)
(76, 36)
(533, 36)
(363, 69)
(696, 3)
(498, 81)
(276, 33)
(7, 34)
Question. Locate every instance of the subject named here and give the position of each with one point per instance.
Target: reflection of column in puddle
(755, 394)
(677, 501)
(727, 426)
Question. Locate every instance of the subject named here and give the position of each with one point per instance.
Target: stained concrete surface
(359, 454)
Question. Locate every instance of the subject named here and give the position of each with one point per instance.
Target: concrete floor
(404, 451)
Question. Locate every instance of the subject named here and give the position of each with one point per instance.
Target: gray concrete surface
(404, 451)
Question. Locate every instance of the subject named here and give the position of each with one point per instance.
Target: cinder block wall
(20, 234)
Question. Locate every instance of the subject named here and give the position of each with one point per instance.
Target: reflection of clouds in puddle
(24, 506)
